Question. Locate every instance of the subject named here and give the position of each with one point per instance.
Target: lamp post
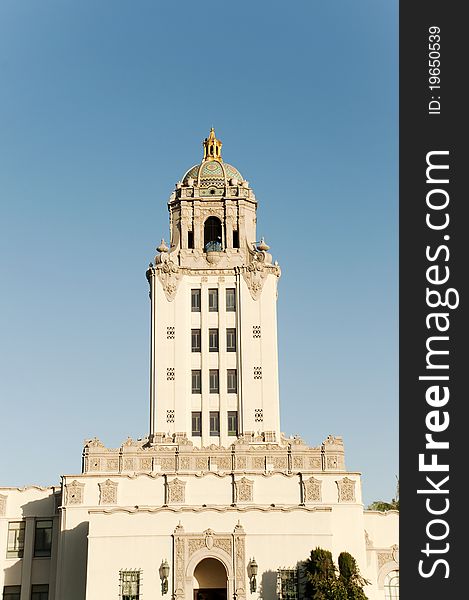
(164, 572)
(252, 572)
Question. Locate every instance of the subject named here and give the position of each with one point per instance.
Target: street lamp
(164, 572)
(252, 572)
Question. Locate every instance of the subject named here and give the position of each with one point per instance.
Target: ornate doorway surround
(191, 548)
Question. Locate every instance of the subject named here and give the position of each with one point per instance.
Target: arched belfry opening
(210, 580)
(213, 235)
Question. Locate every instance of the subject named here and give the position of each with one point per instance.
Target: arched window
(212, 235)
(391, 585)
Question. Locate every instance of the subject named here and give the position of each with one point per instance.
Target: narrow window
(12, 592)
(232, 422)
(15, 544)
(196, 381)
(231, 340)
(190, 239)
(213, 340)
(214, 381)
(214, 423)
(196, 424)
(235, 238)
(230, 300)
(287, 584)
(43, 537)
(195, 300)
(232, 386)
(195, 340)
(40, 592)
(129, 585)
(213, 300)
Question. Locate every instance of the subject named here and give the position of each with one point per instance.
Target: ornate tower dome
(212, 171)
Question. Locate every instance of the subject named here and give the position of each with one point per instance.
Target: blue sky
(103, 106)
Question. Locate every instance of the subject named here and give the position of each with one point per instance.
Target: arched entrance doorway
(210, 580)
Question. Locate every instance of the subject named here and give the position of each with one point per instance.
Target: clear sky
(103, 107)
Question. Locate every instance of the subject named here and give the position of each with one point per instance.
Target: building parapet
(249, 453)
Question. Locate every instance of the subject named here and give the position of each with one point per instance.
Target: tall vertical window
(213, 300)
(15, 543)
(214, 422)
(232, 422)
(195, 340)
(129, 585)
(213, 340)
(196, 423)
(230, 300)
(40, 592)
(232, 385)
(195, 300)
(214, 381)
(231, 340)
(287, 584)
(190, 239)
(196, 381)
(235, 238)
(43, 537)
(12, 592)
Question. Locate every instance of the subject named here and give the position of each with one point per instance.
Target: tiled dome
(212, 173)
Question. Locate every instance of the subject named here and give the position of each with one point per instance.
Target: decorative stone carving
(297, 462)
(280, 462)
(108, 492)
(74, 491)
(346, 489)
(224, 544)
(129, 442)
(244, 490)
(184, 462)
(201, 462)
(179, 560)
(194, 545)
(168, 274)
(129, 464)
(258, 462)
(146, 464)
(176, 491)
(240, 562)
(240, 462)
(3, 505)
(223, 462)
(230, 548)
(112, 464)
(255, 274)
(94, 443)
(94, 464)
(368, 540)
(315, 462)
(383, 558)
(312, 490)
(331, 462)
(167, 463)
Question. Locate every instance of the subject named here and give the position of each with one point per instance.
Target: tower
(213, 295)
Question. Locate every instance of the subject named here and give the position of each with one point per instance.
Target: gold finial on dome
(212, 147)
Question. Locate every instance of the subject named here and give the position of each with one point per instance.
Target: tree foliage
(384, 506)
(350, 577)
(326, 582)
